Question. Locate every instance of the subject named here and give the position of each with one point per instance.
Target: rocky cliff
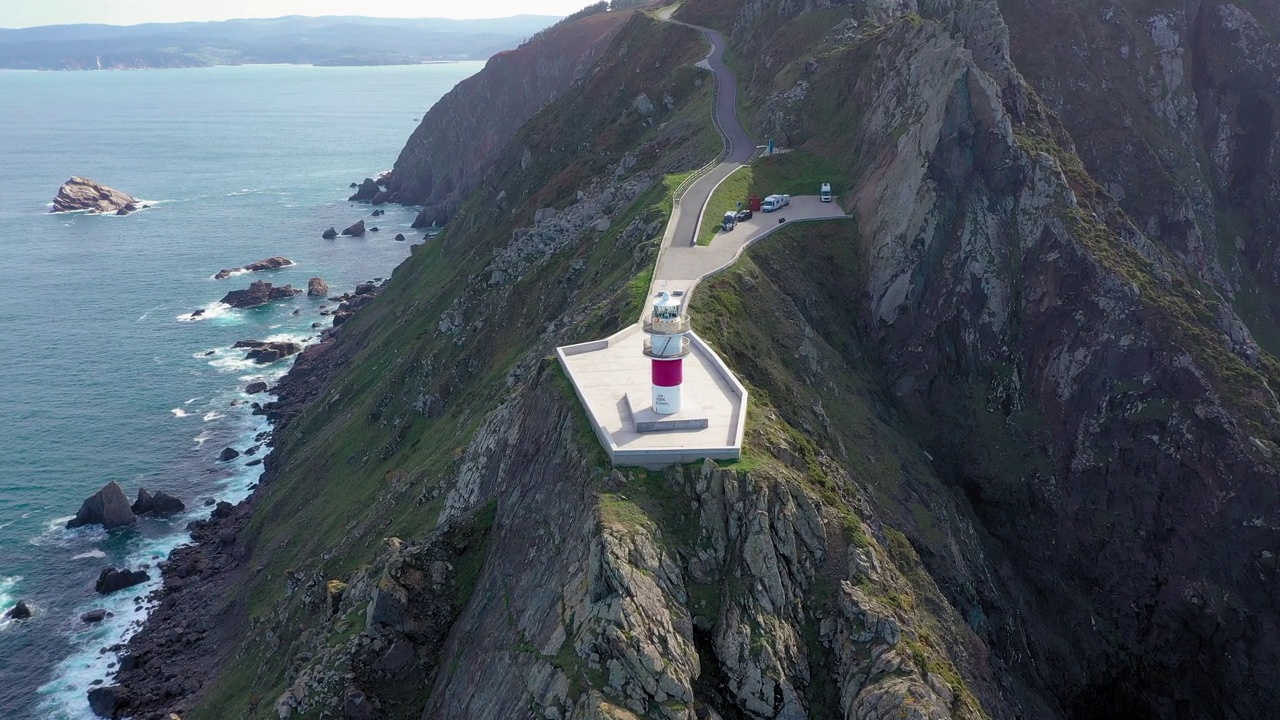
(1011, 451)
(460, 137)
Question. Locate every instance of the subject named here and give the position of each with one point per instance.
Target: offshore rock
(81, 194)
(317, 287)
(258, 293)
(355, 230)
(19, 611)
(368, 191)
(330, 234)
(271, 263)
(228, 454)
(162, 503)
(110, 580)
(108, 507)
(265, 352)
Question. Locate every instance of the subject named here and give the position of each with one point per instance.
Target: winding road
(681, 262)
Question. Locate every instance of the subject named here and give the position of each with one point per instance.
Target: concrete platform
(611, 378)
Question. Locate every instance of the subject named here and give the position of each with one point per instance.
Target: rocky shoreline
(163, 667)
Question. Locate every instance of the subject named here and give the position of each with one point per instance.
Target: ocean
(103, 376)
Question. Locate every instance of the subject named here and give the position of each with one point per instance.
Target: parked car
(825, 192)
(744, 214)
(730, 219)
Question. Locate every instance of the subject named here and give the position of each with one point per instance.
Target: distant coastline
(294, 40)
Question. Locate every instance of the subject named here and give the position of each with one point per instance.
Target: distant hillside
(293, 40)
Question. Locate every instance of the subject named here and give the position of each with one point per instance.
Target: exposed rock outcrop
(271, 263)
(254, 388)
(20, 611)
(108, 507)
(462, 134)
(355, 230)
(317, 288)
(159, 504)
(258, 293)
(268, 351)
(81, 194)
(330, 234)
(112, 580)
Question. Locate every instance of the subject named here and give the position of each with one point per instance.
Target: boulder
(197, 313)
(378, 212)
(264, 352)
(372, 229)
(271, 263)
(111, 580)
(162, 503)
(106, 701)
(317, 287)
(221, 510)
(228, 454)
(355, 230)
(366, 288)
(330, 234)
(81, 194)
(256, 387)
(366, 192)
(122, 211)
(108, 507)
(19, 611)
(258, 293)
(400, 237)
(94, 616)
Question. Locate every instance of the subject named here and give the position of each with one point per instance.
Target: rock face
(462, 134)
(160, 504)
(19, 611)
(317, 288)
(111, 580)
(368, 191)
(108, 507)
(258, 293)
(264, 352)
(355, 230)
(108, 702)
(330, 234)
(271, 263)
(81, 194)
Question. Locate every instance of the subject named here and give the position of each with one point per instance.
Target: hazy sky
(26, 13)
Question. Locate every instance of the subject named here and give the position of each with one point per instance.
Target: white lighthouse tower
(666, 347)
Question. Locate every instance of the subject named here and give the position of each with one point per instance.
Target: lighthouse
(666, 348)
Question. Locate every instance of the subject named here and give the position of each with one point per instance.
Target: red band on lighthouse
(668, 373)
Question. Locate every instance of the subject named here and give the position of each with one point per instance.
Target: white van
(825, 192)
(775, 202)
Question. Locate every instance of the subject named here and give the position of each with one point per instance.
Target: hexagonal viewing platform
(611, 378)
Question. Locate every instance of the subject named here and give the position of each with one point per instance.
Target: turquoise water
(101, 377)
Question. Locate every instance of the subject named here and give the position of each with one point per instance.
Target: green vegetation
(798, 172)
(730, 195)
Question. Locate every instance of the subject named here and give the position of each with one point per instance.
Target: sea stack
(82, 194)
(108, 507)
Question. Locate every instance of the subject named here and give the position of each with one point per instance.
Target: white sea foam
(92, 554)
(200, 439)
(211, 416)
(191, 401)
(225, 314)
(179, 412)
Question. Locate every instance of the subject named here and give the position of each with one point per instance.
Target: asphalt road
(681, 263)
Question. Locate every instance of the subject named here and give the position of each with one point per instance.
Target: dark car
(744, 214)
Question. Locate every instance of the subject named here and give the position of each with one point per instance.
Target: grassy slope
(361, 463)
